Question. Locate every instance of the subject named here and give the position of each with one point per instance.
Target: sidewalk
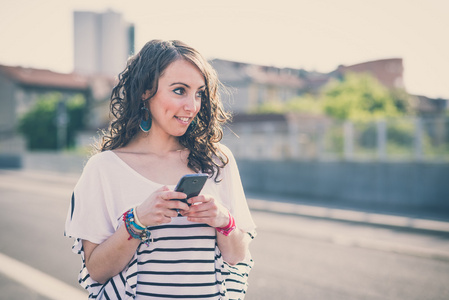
(408, 219)
(398, 234)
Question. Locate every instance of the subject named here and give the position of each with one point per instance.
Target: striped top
(183, 260)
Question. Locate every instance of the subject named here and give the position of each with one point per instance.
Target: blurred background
(340, 129)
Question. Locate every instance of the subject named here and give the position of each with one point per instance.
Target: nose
(191, 104)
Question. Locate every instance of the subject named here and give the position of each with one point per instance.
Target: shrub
(39, 125)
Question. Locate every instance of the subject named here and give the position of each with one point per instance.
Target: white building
(103, 42)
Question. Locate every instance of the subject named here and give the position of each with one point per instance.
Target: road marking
(38, 281)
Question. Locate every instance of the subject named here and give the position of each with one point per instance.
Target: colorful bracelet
(135, 231)
(228, 228)
(136, 219)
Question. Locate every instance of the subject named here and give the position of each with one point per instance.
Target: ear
(146, 95)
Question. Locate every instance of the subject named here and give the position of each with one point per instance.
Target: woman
(136, 242)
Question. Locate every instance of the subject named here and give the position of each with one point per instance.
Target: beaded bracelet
(135, 231)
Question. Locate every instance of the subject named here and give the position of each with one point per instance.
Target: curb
(370, 219)
(345, 215)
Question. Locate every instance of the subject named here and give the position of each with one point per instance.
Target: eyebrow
(186, 85)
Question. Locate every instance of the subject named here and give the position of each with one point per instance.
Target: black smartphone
(191, 185)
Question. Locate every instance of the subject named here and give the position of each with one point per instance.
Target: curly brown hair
(142, 73)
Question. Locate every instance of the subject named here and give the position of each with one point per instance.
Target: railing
(410, 139)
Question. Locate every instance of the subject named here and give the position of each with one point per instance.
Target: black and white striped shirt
(183, 260)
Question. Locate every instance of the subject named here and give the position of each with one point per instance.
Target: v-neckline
(132, 170)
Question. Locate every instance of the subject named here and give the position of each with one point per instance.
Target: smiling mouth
(183, 119)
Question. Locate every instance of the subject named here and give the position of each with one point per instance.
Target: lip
(183, 120)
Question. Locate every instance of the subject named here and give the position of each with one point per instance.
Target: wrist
(134, 230)
(136, 218)
(226, 230)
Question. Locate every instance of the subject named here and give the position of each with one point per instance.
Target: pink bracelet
(228, 228)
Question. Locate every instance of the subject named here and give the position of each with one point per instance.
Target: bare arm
(206, 210)
(105, 260)
(234, 246)
(109, 258)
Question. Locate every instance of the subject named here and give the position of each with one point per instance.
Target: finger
(202, 208)
(197, 207)
(202, 214)
(204, 205)
(166, 219)
(200, 199)
(171, 213)
(171, 195)
(177, 204)
(200, 220)
(163, 189)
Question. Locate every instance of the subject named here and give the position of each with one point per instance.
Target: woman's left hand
(204, 209)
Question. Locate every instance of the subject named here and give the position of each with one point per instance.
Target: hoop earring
(145, 122)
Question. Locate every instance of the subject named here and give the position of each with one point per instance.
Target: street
(288, 266)
(295, 257)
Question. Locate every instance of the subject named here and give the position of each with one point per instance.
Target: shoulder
(226, 151)
(97, 170)
(228, 156)
(223, 148)
(100, 157)
(98, 160)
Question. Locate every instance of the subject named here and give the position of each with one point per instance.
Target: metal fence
(409, 139)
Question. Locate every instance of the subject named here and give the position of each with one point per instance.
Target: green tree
(77, 112)
(353, 97)
(359, 97)
(305, 104)
(39, 124)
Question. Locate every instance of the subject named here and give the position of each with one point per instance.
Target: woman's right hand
(159, 207)
(109, 258)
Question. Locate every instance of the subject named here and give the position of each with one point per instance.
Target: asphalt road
(337, 265)
(295, 257)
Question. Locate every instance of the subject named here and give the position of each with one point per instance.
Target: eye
(200, 94)
(179, 91)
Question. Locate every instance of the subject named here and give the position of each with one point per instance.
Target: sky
(317, 35)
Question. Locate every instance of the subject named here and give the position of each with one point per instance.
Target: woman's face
(178, 98)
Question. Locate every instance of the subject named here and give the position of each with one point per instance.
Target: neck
(152, 143)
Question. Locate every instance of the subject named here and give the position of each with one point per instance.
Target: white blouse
(182, 261)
